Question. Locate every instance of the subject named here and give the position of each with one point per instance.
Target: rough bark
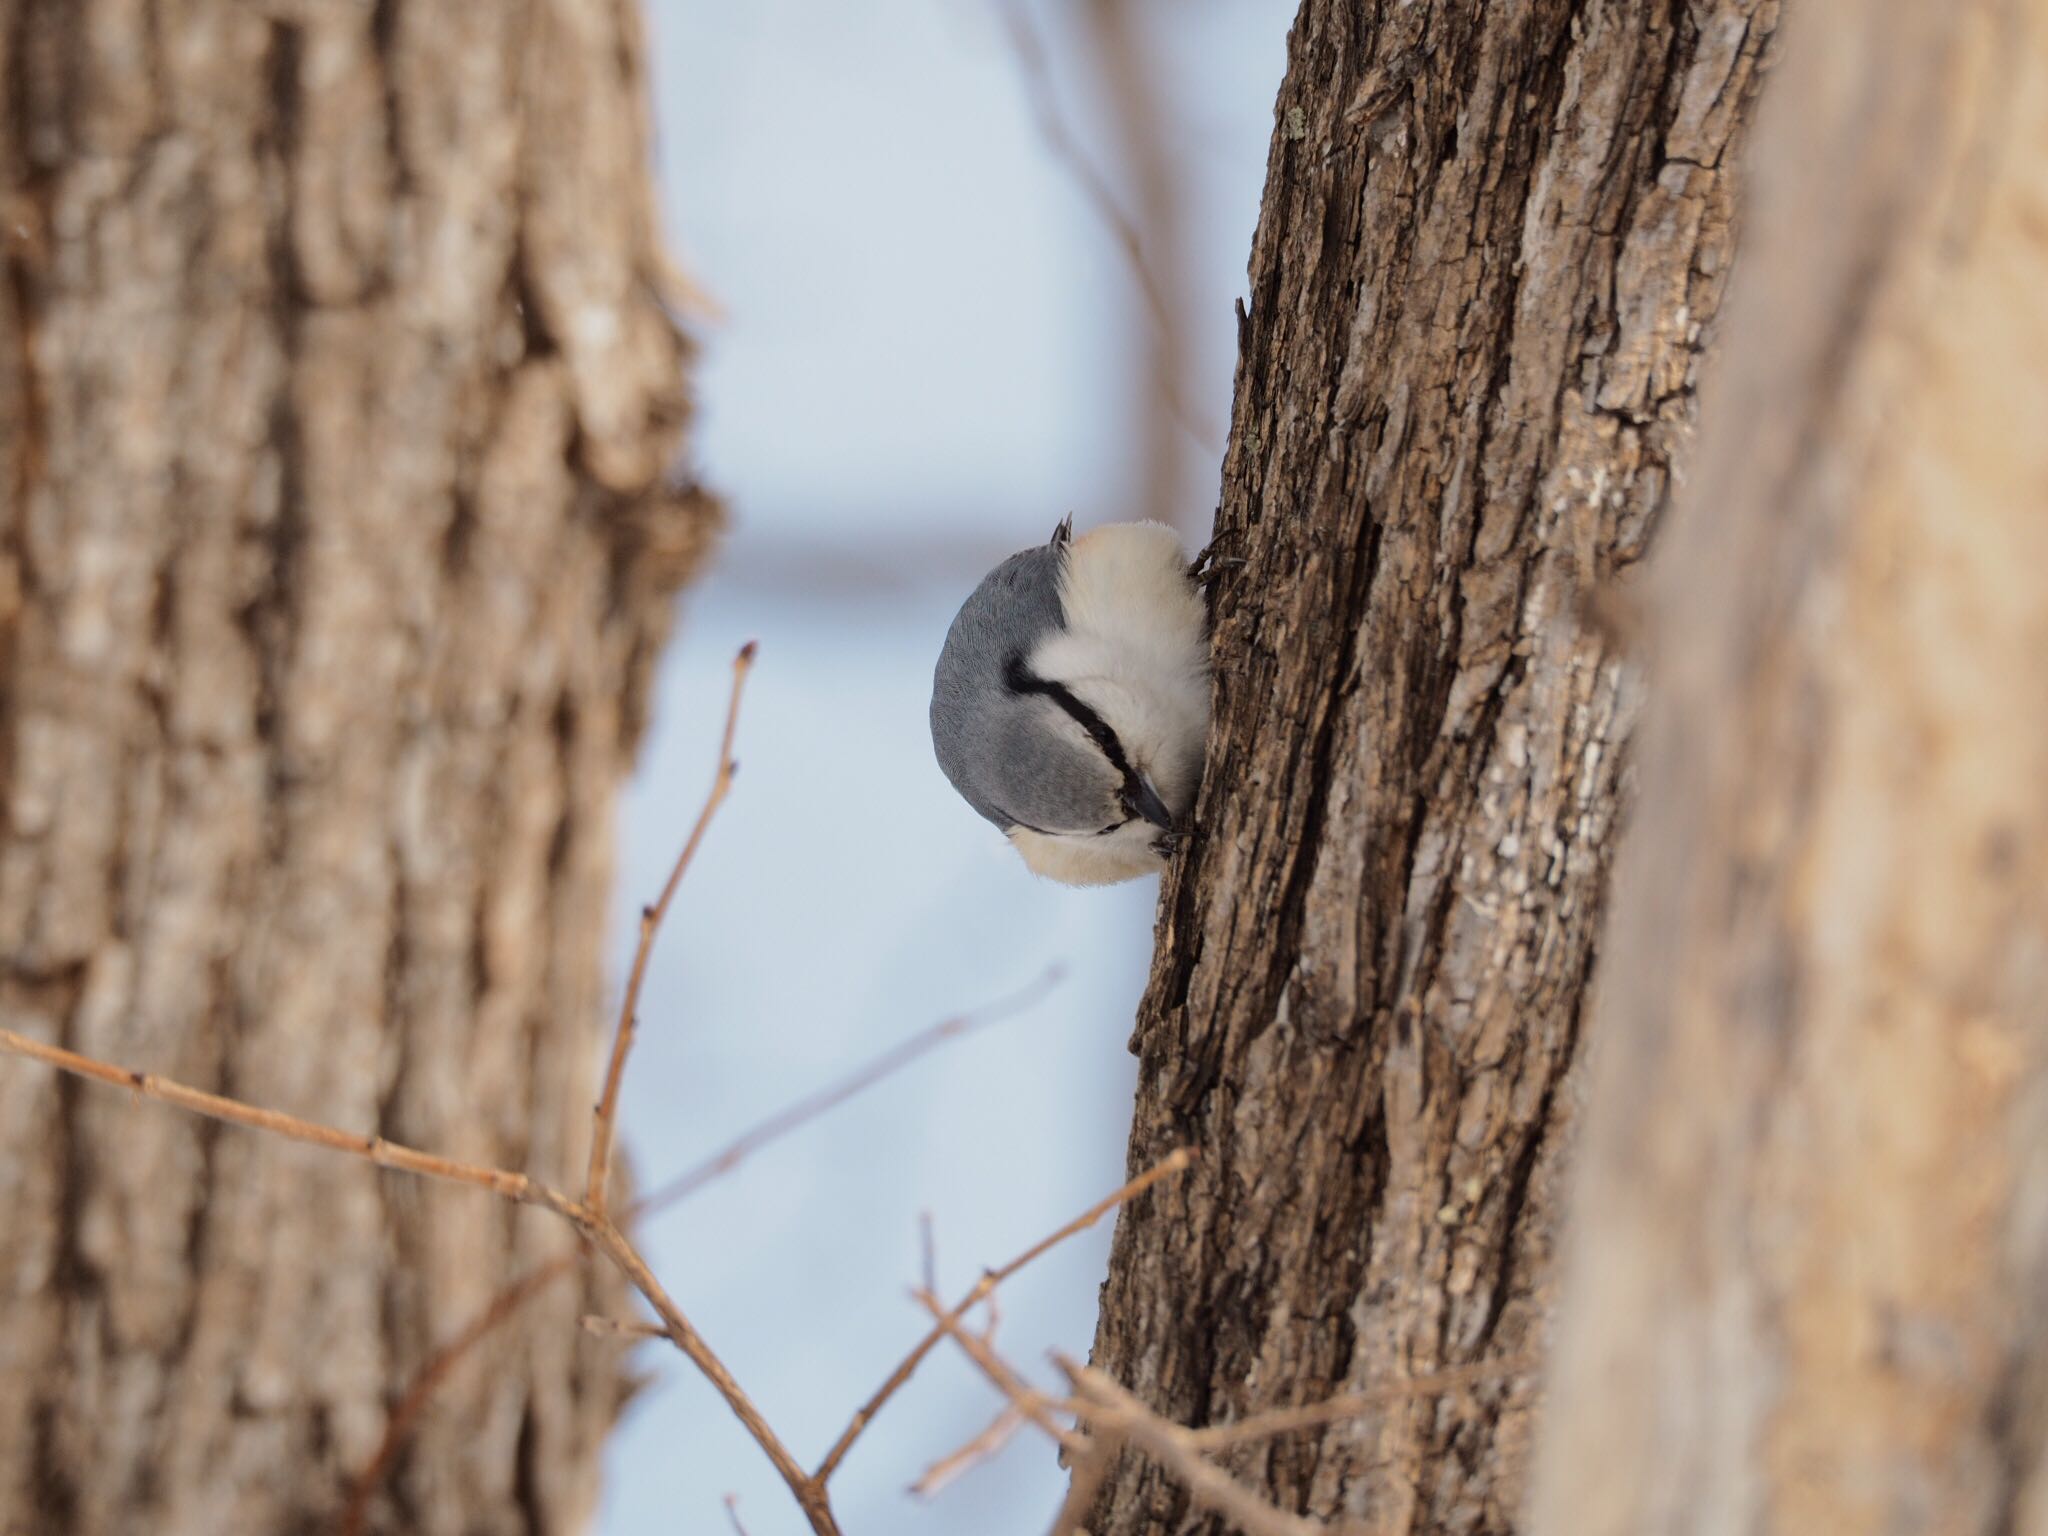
(1808, 1277)
(1493, 243)
(338, 405)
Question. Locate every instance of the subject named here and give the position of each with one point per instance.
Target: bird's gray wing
(1016, 605)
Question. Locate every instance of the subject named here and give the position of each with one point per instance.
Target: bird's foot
(1208, 567)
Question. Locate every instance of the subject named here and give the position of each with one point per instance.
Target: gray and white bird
(1071, 700)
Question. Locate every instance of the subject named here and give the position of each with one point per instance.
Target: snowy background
(931, 348)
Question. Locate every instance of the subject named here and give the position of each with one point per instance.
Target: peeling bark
(1492, 248)
(1807, 1282)
(337, 409)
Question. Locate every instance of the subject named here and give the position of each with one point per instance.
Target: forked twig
(1174, 1162)
(507, 1303)
(590, 1222)
(604, 1122)
(355, 1514)
(1168, 1444)
(1114, 1418)
(1022, 1396)
(1108, 1408)
(1107, 1417)
(594, 1228)
(984, 1445)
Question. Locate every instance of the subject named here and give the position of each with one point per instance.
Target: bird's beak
(1141, 799)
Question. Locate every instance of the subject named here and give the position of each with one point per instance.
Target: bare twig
(1111, 1414)
(1171, 1446)
(594, 1228)
(385, 1154)
(1173, 1163)
(980, 1448)
(1106, 1416)
(605, 1119)
(1025, 1398)
(732, 1513)
(1095, 188)
(809, 1491)
(805, 1110)
(503, 1306)
(1127, 71)
(1279, 1421)
(1177, 1161)
(783, 1122)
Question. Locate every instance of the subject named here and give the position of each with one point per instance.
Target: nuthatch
(1071, 700)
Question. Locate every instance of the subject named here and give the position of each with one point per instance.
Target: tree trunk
(337, 404)
(1808, 1280)
(1493, 244)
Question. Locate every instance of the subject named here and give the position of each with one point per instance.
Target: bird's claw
(1171, 841)
(1208, 567)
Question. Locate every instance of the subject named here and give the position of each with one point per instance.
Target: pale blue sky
(927, 357)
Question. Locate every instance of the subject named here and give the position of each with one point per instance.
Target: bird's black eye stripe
(1019, 678)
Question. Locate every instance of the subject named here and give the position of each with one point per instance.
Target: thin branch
(355, 1515)
(1280, 1421)
(1173, 1163)
(1103, 1403)
(594, 1228)
(604, 1124)
(508, 1302)
(589, 1220)
(732, 1513)
(1095, 188)
(887, 1064)
(809, 1491)
(984, 1445)
(1106, 1416)
(1025, 1398)
(385, 1154)
(1171, 1446)
(1177, 1161)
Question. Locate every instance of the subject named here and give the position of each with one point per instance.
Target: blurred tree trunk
(1807, 1289)
(337, 405)
(1493, 244)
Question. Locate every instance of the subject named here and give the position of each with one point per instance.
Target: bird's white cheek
(1122, 855)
